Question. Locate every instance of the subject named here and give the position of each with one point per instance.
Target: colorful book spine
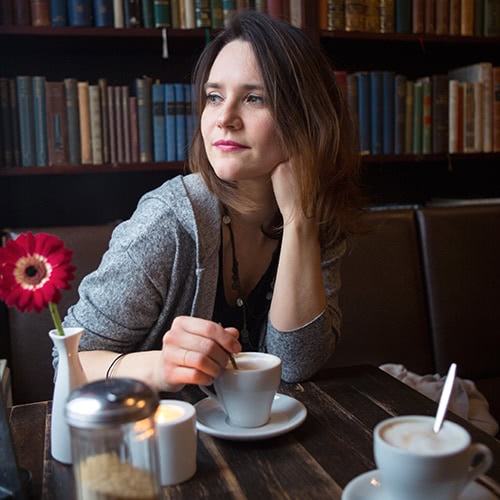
(372, 16)
(26, 120)
(442, 17)
(84, 114)
(229, 9)
(132, 14)
(120, 139)
(180, 122)
(399, 113)
(187, 14)
(40, 12)
(430, 17)
(216, 16)
(376, 111)
(125, 95)
(80, 12)
(418, 16)
(14, 114)
(417, 117)
(103, 92)
(103, 13)
(388, 111)
(22, 12)
(56, 123)
(134, 131)
(355, 15)
(147, 13)
(202, 13)
(162, 13)
(170, 123)
(440, 105)
(402, 16)
(387, 16)
(158, 108)
(491, 18)
(453, 113)
(454, 17)
(409, 111)
(73, 120)
(364, 112)
(144, 117)
(58, 13)
(39, 113)
(111, 125)
(118, 14)
(426, 116)
(95, 124)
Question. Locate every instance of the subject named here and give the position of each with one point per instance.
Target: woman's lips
(228, 146)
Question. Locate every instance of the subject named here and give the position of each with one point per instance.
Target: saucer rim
(267, 431)
(355, 483)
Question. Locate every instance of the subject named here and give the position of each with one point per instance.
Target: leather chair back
(382, 296)
(30, 346)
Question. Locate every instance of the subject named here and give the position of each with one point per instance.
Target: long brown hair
(313, 120)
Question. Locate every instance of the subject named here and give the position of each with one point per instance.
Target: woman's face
(238, 130)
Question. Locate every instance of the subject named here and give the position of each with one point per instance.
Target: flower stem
(56, 318)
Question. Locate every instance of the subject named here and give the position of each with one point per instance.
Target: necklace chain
(235, 277)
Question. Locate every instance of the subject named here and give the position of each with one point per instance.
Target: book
(7, 158)
(372, 16)
(496, 109)
(120, 139)
(186, 8)
(39, 114)
(148, 17)
(409, 111)
(190, 108)
(352, 93)
(162, 13)
(336, 15)
(103, 93)
(426, 115)
(453, 113)
(103, 13)
(84, 114)
(118, 14)
(479, 7)
(417, 117)
(95, 124)
(399, 113)
(175, 13)
(364, 111)
(376, 111)
(180, 122)
(216, 16)
(228, 9)
(491, 18)
(112, 132)
(22, 12)
(202, 13)
(26, 120)
(388, 111)
(403, 16)
(6, 13)
(387, 16)
(72, 120)
(277, 8)
(468, 117)
(124, 95)
(144, 118)
(134, 132)
(440, 96)
(454, 17)
(341, 78)
(58, 13)
(132, 14)
(467, 17)
(355, 15)
(430, 16)
(159, 133)
(418, 16)
(170, 123)
(80, 13)
(14, 115)
(57, 130)
(40, 13)
(442, 17)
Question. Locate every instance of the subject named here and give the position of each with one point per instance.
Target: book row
(183, 14)
(74, 122)
(458, 112)
(436, 17)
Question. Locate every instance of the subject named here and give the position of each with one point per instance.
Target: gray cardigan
(164, 262)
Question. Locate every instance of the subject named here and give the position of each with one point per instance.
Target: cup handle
(483, 459)
(213, 395)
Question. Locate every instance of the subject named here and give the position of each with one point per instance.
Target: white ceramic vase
(70, 375)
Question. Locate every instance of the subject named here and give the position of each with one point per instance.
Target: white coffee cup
(246, 395)
(416, 463)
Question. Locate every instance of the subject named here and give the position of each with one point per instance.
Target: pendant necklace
(235, 277)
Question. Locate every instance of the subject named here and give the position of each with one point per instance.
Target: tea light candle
(177, 441)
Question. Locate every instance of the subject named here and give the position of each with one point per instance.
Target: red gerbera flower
(33, 271)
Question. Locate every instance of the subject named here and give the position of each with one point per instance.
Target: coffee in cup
(246, 394)
(415, 462)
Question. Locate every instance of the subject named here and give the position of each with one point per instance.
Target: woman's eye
(213, 98)
(255, 99)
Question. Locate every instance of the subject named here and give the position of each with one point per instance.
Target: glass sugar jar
(113, 440)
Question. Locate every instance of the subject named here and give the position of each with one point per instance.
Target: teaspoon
(445, 398)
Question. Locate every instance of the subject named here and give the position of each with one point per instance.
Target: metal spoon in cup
(445, 398)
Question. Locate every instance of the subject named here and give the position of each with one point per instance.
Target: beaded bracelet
(113, 364)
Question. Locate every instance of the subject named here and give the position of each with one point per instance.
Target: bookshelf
(93, 194)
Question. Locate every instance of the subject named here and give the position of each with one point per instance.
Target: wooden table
(316, 460)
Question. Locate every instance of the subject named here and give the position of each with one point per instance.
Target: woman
(243, 253)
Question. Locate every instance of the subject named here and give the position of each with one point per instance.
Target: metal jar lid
(110, 402)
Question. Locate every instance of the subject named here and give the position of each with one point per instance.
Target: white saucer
(286, 414)
(368, 486)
